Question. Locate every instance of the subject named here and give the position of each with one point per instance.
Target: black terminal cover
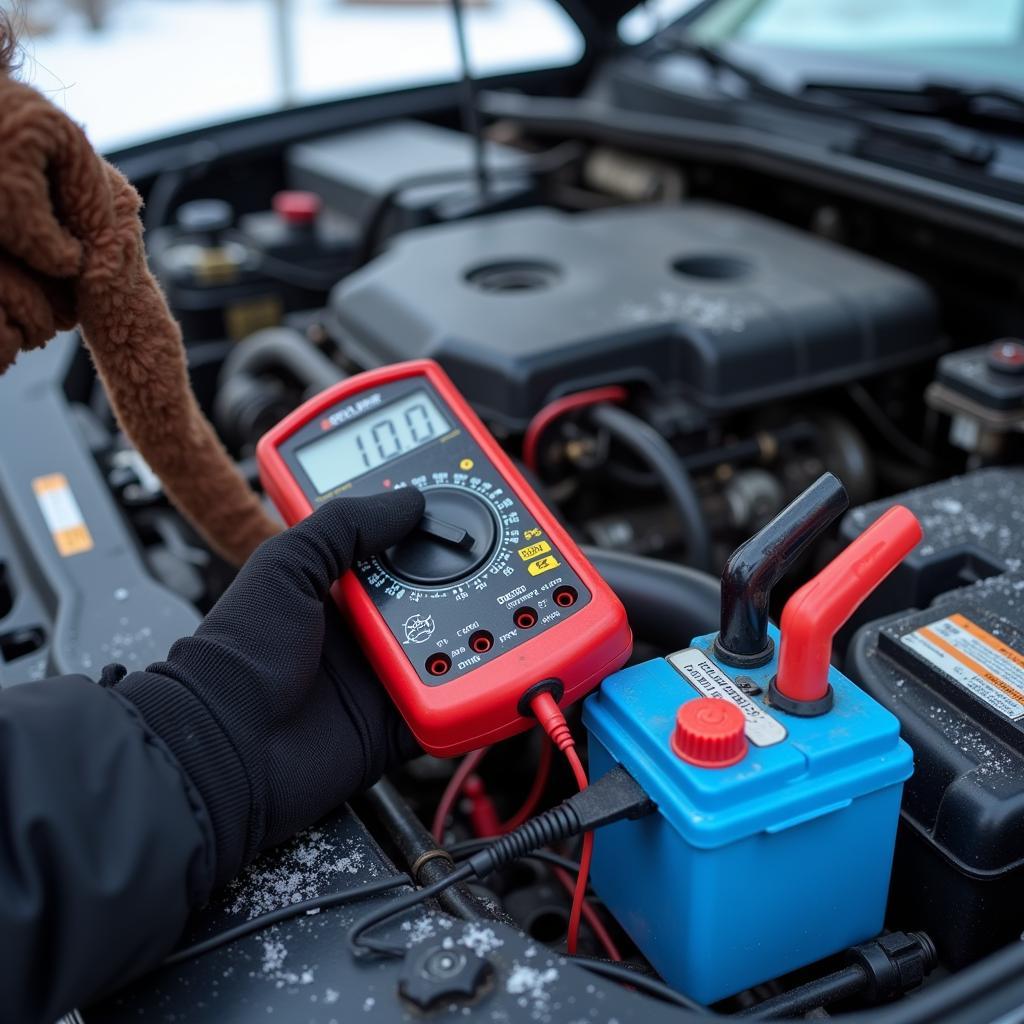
(718, 305)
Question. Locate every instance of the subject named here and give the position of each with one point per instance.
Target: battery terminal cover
(815, 613)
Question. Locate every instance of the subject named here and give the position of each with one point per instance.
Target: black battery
(973, 528)
(952, 670)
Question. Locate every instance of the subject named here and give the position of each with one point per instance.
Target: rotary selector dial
(455, 538)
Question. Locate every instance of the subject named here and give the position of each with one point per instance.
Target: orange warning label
(62, 514)
(976, 659)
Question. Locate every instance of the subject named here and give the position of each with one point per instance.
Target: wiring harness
(612, 798)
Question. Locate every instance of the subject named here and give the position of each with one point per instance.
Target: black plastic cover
(302, 969)
(73, 612)
(354, 170)
(721, 306)
(973, 528)
(959, 870)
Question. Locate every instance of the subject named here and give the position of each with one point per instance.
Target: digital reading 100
(345, 454)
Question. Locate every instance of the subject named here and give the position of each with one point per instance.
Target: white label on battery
(975, 659)
(704, 676)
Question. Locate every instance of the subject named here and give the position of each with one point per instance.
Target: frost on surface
(274, 967)
(983, 509)
(480, 939)
(989, 757)
(531, 987)
(302, 870)
(420, 929)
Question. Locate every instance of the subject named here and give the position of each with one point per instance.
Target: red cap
(710, 733)
(815, 613)
(1007, 356)
(296, 207)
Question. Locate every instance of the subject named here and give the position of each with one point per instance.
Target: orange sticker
(976, 659)
(62, 514)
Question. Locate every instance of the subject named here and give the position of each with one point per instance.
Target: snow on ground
(162, 66)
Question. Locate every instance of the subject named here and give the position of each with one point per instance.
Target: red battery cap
(296, 207)
(709, 733)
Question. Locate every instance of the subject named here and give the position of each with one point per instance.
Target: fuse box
(778, 780)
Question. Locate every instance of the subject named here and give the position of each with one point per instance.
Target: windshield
(956, 39)
(132, 70)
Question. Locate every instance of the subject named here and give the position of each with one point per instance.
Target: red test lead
(815, 613)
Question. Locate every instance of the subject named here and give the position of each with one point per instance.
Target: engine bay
(672, 352)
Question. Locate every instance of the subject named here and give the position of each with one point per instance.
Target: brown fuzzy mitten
(71, 253)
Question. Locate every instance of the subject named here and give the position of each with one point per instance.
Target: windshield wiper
(948, 100)
(968, 151)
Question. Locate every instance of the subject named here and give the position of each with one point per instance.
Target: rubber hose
(413, 841)
(244, 402)
(667, 604)
(651, 448)
(841, 984)
(286, 348)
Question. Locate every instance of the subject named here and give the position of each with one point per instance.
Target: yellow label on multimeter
(545, 564)
(533, 550)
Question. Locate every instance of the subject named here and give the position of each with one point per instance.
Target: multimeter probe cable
(540, 701)
(613, 797)
(549, 716)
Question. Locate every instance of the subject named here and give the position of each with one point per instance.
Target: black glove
(270, 708)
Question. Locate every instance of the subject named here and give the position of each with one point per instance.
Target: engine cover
(720, 306)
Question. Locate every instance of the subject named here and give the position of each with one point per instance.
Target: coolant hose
(667, 604)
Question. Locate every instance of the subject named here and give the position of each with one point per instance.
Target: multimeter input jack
(439, 664)
(524, 618)
(566, 597)
(481, 642)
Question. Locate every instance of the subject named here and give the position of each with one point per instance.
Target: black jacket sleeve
(105, 847)
(122, 805)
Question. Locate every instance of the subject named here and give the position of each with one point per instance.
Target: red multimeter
(488, 597)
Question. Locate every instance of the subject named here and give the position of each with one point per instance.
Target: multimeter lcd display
(375, 439)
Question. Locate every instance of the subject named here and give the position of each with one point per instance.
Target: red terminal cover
(479, 707)
(815, 613)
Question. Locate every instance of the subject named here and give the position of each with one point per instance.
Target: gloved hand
(270, 707)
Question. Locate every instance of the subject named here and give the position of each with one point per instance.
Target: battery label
(974, 659)
(704, 676)
(62, 514)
